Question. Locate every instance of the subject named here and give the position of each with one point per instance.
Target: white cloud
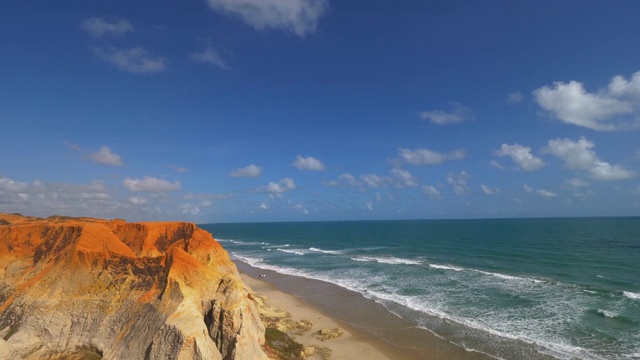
(308, 163)
(546, 193)
(135, 60)
(277, 189)
(189, 209)
(489, 190)
(106, 157)
(369, 205)
(616, 107)
(71, 145)
(376, 181)
(137, 200)
(429, 157)
(431, 192)
(251, 171)
(577, 183)
(150, 184)
(178, 169)
(578, 155)
(460, 113)
(458, 183)
(210, 56)
(344, 180)
(404, 178)
(264, 206)
(527, 188)
(496, 165)
(298, 16)
(302, 209)
(521, 155)
(514, 97)
(98, 27)
(12, 186)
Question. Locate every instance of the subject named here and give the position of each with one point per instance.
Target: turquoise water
(568, 288)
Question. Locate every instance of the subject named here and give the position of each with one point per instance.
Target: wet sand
(369, 330)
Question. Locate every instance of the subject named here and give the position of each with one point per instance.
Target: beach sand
(370, 331)
(350, 345)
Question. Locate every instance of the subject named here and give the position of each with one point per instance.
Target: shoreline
(370, 331)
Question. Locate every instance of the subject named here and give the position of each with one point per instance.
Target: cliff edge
(83, 288)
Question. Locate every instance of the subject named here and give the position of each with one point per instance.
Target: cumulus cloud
(297, 16)
(189, 209)
(577, 155)
(150, 184)
(404, 178)
(135, 60)
(546, 193)
(458, 183)
(616, 107)
(137, 200)
(458, 114)
(279, 188)
(521, 155)
(431, 192)
(12, 186)
(105, 156)
(344, 180)
(42, 199)
(514, 97)
(98, 27)
(489, 190)
(210, 56)
(376, 181)
(429, 157)
(308, 163)
(251, 171)
(577, 183)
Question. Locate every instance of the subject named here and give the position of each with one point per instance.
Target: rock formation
(82, 288)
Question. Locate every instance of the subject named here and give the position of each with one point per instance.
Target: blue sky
(289, 110)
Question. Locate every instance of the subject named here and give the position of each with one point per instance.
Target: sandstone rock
(328, 334)
(95, 289)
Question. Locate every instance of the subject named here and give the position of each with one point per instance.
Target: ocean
(506, 289)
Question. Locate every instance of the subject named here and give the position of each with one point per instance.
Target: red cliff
(90, 288)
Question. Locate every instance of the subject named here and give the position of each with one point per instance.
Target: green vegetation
(282, 345)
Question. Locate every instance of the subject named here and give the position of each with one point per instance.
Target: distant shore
(370, 332)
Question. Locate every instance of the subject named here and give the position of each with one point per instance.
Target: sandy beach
(350, 345)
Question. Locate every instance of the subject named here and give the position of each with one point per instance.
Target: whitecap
(607, 314)
(387, 260)
(509, 277)
(294, 251)
(333, 252)
(445, 267)
(631, 295)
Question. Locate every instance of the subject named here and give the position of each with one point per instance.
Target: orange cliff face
(115, 290)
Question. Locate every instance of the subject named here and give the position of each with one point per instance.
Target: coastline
(370, 331)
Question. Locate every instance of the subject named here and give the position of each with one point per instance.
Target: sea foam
(333, 252)
(631, 295)
(391, 260)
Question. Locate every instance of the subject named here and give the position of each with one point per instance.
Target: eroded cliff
(88, 288)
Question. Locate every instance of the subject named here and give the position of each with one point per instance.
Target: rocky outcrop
(81, 288)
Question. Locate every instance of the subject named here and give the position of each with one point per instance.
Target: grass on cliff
(282, 345)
